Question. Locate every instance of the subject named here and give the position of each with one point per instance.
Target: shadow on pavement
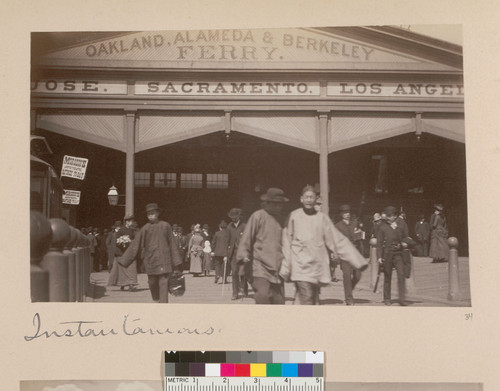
(98, 291)
(331, 301)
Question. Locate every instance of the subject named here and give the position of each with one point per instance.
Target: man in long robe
(307, 239)
(260, 244)
(155, 246)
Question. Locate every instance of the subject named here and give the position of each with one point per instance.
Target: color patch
(172, 356)
(318, 370)
(227, 370)
(169, 369)
(248, 357)
(305, 370)
(258, 370)
(289, 370)
(182, 369)
(315, 357)
(233, 357)
(273, 370)
(242, 370)
(280, 357)
(202, 357)
(217, 357)
(298, 357)
(264, 357)
(196, 369)
(212, 370)
(187, 357)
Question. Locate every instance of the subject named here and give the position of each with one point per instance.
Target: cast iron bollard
(88, 267)
(56, 262)
(373, 261)
(81, 265)
(453, 281)
(40, 238)
(72, 294)
(78, 269)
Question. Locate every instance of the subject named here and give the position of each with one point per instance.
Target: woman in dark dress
(120, 275)
(195, 251)
(439, 250)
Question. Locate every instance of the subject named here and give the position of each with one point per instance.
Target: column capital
(131, 113)
(323, 113)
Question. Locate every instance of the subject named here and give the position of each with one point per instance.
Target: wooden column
(33, 116)
(130, 122)
(323, 160)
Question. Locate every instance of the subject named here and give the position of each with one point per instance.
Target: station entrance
(200, 179)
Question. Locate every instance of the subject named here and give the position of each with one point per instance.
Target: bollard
(72, 293)
(81, 266)
(56, 262)
(40, 238)
(88, 267)
(373, 261)
(453, 280)
(78, 269)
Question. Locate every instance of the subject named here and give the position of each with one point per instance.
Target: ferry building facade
(202, 121)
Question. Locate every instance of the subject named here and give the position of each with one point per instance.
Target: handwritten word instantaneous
(129, 327)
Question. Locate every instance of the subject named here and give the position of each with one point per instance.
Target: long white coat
(306, 241)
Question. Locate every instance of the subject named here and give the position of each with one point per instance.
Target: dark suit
(180, 243)
(219, 248)
(422, 232)
(388, 240)
(351, 276)
(239, 271)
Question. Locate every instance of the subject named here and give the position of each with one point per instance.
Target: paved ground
(428, 288)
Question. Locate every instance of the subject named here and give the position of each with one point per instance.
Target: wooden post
(453, 279)
(373, 262)
(323, 161)
(130, 160)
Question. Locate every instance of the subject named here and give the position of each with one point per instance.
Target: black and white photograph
(247, 177)
(306, 166)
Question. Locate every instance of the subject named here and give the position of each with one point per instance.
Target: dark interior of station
(407, 172)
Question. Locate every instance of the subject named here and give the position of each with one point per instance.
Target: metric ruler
(191, 383)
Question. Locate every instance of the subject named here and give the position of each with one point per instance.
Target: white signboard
(73, 86)
(395, 90)
(71, 197)
(74, 167)
(227, 88)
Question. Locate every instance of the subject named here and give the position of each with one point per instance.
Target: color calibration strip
(286, 364)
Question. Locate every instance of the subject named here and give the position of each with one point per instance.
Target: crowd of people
(267, 250)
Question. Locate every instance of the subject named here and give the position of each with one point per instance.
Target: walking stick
(380, 270)
(224, 277)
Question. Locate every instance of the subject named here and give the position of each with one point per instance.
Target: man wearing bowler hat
(238, 269)
(351, 275)
(422, 231)
(154, 244)
(260, 247)
(390, 246)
